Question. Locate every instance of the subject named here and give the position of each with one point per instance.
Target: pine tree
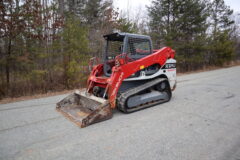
(221, 43)
(74, 51)
(124, 25)
(100, 18)
(181, 25)
(162, 15)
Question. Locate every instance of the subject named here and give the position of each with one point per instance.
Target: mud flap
(84, 109)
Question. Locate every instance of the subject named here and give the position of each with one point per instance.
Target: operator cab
(135, 46)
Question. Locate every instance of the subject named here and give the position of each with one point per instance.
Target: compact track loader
(132, 76)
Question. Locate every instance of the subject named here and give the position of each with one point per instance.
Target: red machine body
(132, 77)
(124, 68)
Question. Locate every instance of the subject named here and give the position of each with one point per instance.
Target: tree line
(45, 45)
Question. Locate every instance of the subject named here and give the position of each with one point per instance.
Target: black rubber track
(123, 97)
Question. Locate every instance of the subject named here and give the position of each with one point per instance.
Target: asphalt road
(201, 122)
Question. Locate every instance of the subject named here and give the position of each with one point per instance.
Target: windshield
(138, 46)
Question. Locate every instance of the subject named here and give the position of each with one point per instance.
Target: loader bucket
(84, 109)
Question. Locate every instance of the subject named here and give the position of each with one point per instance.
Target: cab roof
(122, 35)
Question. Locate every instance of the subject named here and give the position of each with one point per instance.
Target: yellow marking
(142, 67)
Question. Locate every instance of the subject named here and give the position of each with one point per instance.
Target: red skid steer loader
(132, 76)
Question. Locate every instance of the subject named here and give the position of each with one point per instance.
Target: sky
(234, 4)
(131, 4)
(136, 4)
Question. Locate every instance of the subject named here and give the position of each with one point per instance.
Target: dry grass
(23, 98)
